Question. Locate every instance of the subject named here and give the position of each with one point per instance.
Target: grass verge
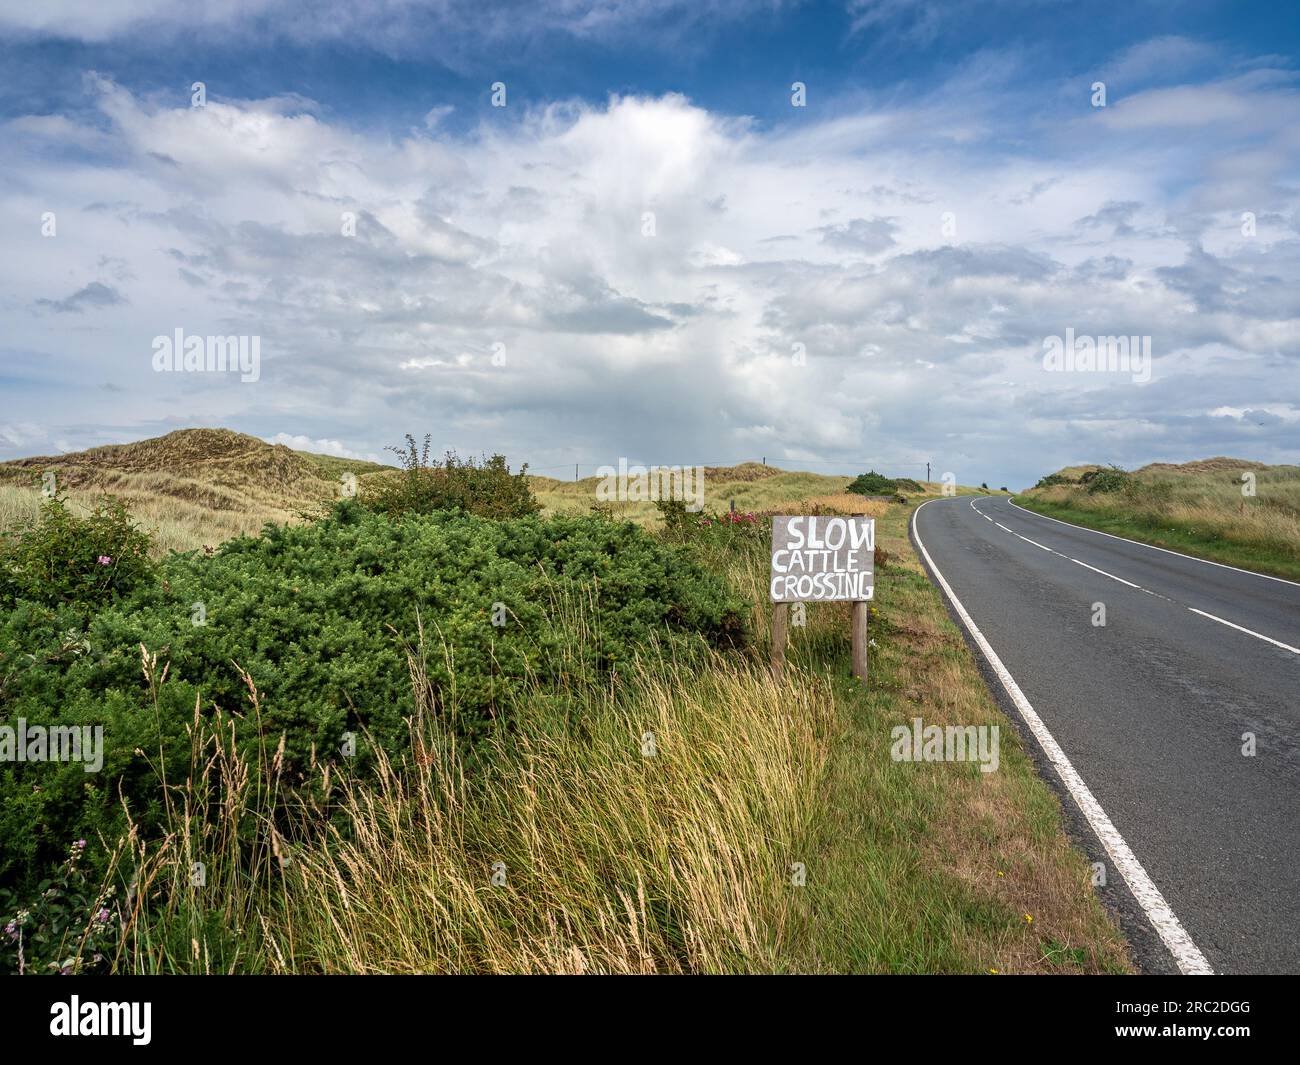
(672, 818)
(1197, 516)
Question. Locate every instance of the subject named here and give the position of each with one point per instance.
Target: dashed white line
(1165, 550)
(1138, 587)
(1185, 952)
(1105, 574)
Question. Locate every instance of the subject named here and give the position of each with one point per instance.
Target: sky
(831, 236)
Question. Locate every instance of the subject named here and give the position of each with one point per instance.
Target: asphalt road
(1150, 710)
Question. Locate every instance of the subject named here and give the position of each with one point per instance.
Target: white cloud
(318, 447)
(502, 288)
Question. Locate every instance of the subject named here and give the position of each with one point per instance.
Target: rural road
(1142, 719)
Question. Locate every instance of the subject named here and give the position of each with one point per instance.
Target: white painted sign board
(821, 559)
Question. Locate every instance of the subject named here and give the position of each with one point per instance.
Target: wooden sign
(822, 559)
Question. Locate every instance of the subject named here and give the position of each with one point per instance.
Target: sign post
(822, 559)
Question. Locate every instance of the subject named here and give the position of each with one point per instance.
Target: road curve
(1151, 708)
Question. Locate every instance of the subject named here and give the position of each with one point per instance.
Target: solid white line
(1167, 551)
(1248, 632)
(1188, 957)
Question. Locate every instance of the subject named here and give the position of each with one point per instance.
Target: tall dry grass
(609, 856)
(1202, 509)
(174, 524)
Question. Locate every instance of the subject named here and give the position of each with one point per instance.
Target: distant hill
(216, 480)
(216, 468)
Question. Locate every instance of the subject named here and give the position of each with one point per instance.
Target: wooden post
(780, 626)
(861, 611)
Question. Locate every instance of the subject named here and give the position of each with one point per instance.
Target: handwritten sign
(820, 559)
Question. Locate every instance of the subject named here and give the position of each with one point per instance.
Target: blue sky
(801, 296)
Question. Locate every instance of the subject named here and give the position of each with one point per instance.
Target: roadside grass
(607, 859)
(1197, 511)
(931, 867)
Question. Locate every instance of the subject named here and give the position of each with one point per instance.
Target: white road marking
(1249, 632)
(1069, 558)
(1036, 543)
(1105, 574)
(1186, 954)
(1167, 551)
(1168, 599)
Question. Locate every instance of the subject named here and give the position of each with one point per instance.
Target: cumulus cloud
(298, 442)
(644, 277)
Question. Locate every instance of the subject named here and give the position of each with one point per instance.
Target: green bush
(874, 484)
(65, 559)
(487, 489)
(1112, 479)
(318, 616)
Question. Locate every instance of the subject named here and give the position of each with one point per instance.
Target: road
(1148, 713)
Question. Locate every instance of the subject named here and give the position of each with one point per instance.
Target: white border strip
(1188, 957)
(1139, 543)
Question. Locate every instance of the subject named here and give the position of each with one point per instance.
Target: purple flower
(104, 560)
(102, 916)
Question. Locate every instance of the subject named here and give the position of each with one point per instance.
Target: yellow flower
(1028, 919)
(994, 972)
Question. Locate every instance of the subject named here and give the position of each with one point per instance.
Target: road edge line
(1187, 956)
(1153, 547)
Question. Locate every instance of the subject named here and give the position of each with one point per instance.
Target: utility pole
(575, 472)
(927, 473)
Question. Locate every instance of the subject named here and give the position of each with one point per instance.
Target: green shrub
(487, 489)
(1053, 478)
(1112, 479)
(874, 484)
(317, 615)
(61, 558)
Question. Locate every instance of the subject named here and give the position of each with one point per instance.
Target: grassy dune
(1197, 508)
(190, 489)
